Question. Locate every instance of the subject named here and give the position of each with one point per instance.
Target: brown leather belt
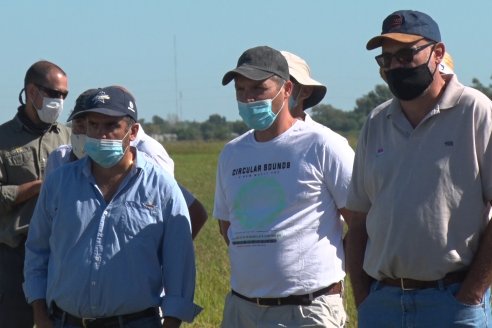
(306, 299)
(406, 284)
(106, 322)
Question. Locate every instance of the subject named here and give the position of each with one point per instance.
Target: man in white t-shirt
(280, 190)
(307, 92)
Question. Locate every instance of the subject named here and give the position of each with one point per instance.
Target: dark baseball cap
(406, 26)
(111, 101)
(259, 63)
(80, 104)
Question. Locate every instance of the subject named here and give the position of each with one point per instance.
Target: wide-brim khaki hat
(300, 71)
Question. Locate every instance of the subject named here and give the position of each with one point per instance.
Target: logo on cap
(395, 21)
(130, 106)
(100, 97)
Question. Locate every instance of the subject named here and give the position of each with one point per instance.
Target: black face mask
(409, 83)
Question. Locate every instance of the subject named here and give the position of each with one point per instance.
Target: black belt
(306, 299)
(408, 284)
(106, 322)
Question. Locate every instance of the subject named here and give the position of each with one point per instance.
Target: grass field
(195, 166)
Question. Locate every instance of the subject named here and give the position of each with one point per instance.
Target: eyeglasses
(52, 93)
(403, 56)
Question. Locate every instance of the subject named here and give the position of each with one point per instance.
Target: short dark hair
(278, 80)
(129, 121)
(39, 70)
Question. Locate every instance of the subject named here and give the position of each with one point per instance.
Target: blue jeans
(388, 306)
(148, 322)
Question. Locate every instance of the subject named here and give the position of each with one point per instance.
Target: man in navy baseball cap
(419, 239)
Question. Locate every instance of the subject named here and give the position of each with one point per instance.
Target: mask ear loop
(428, 60)
(20, 97)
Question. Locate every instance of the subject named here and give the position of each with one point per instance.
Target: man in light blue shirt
(143, 142)
(109, 232)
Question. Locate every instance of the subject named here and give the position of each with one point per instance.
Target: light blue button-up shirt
(98, 259)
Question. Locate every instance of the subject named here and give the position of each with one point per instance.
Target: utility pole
(178, 94)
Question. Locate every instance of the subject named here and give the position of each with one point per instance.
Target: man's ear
(134, 128)
(31, 91)
(289, 87)
(439, 52)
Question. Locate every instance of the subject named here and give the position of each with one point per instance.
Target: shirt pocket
(138, 219)
(20, 165)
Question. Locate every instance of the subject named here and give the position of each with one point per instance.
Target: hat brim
(105, 111)
(319, 90)
(75, 115)
(250, 72)
(377, 41)
(318, 94)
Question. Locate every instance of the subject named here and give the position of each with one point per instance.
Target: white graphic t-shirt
(281, 198)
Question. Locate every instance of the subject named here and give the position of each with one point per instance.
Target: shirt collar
(449, 99)
(25, 123)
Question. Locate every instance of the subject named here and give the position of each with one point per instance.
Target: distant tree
(239, 127)
(157, 120)
(486, 90)
(215, 128)
(336, 119)
(188, 131)
(366, 103)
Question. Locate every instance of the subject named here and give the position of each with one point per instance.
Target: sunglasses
(403, 56)
(52, 93)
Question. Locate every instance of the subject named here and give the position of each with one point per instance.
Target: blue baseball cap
(111, 101)
(406, 26)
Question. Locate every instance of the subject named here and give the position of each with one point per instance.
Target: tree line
(345, 122)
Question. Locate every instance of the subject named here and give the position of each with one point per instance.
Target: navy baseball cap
(259, 63)
(80, 108)
(111, 101)
(406, 26)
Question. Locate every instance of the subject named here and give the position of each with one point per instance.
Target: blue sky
(131, 43)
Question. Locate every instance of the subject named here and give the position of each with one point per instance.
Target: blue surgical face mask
(258, 115)
(105, 152)
(78, 144)
(293, 99)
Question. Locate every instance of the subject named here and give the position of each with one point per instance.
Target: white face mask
(50, 110)
(78, 144)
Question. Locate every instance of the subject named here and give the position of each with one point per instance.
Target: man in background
(25, 142)
(307, 92)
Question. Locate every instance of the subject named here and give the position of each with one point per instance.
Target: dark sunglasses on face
(403, 56)
(52, 93)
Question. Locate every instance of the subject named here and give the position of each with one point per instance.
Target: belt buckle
(258, 302)
(402, 285)
(87, 321)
